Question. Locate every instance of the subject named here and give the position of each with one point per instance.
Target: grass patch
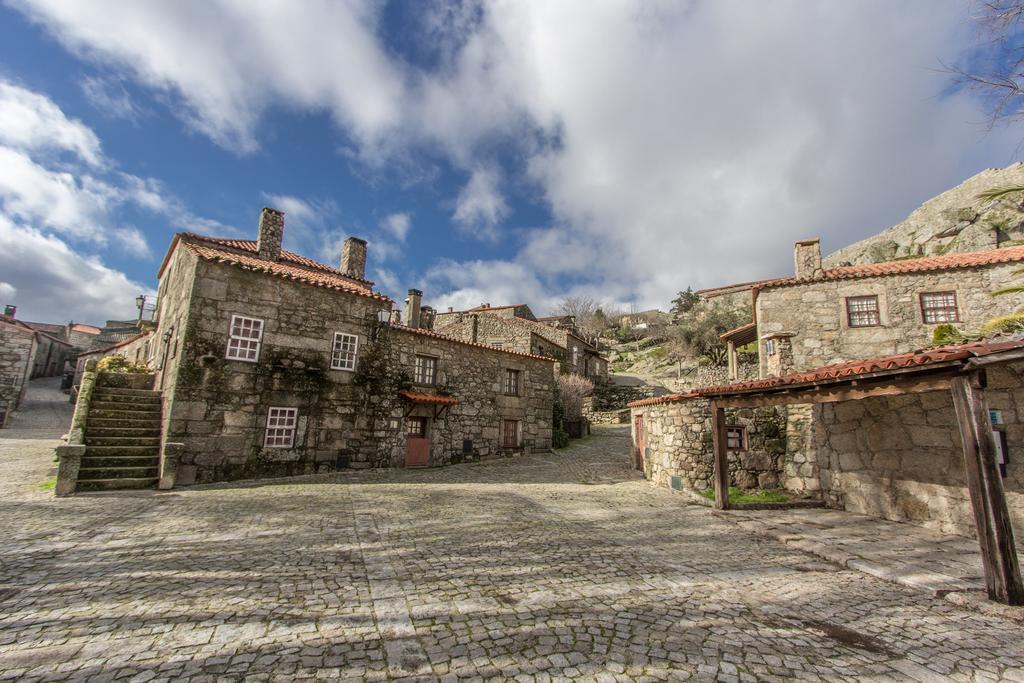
(48, 485)
(737, 495)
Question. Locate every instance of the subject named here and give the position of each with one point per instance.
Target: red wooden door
(417, 442)
(639, 435)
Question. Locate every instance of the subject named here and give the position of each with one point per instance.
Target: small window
(426, 370)
(736, 438)
(245, 340)
(416, 427)
(862, 311)
(769, 347)
(510, 434)
(939, 307)
(343, 352)
(281, 428)
(512, 382)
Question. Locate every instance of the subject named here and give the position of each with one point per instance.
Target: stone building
(17, 349)
(824, 316)
(268, 363)
(515, 327)
(896, 455)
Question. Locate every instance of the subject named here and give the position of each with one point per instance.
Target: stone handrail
(69, 455)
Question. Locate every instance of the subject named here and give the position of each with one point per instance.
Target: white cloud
(58, 282)
(109, 97)
(480, 206)
(7, 292)
(33, 123)
(675, 143)
(397, 225)
(230, 60)
(133, 242)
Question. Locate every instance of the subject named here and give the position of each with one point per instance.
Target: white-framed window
(281, 427)
(939, 307)
(862, 311)
(425, 371)
(736, 438)
(246, 336)
(343, 351)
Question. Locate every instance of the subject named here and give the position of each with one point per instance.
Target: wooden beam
(853, 390)
(988, 500)
(721, 471)
(733, 362)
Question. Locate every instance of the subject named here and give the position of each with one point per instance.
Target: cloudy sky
(500, 151)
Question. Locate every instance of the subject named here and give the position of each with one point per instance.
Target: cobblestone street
(560, 566)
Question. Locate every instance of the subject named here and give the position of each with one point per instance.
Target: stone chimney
(271, 231)
(427, 314)
(412, 308)
(353, 258)
(807, 259)
(396, 316)
(10, 311)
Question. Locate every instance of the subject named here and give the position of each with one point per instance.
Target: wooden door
(639, 436)
(417, 442)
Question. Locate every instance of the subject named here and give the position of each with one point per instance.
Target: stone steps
(122, 440)
(105, 396)
(144, 421)
(107, 461)
(116, 484)
(127, 428)
(88, 473)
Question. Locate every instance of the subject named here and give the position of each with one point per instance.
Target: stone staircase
(122, 439)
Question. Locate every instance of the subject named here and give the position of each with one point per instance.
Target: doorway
(417, 441)
(638, 432)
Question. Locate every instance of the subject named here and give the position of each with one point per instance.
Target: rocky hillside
(955, 221)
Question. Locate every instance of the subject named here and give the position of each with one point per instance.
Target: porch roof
(432, 399)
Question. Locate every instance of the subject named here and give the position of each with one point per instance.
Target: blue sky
(489, 152)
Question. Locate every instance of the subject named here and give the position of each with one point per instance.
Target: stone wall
(900, 457)
(17, 348)
(218, 408)
(816, 314)
(696, 376)
(678, 442)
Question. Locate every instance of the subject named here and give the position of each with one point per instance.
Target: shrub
(120, 364)
(559, 439)
(947, 334)
(1004, 324)
(572, 389)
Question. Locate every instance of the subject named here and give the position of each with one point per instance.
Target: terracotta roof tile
(320, 277)
(445, 337)
(287, 256)
(842, 371)
(433, 399)
(913, 265)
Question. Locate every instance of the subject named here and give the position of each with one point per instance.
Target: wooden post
(721, 456)
(988, 500)
(733, 361)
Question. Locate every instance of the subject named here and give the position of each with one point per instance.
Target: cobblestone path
(559, 566)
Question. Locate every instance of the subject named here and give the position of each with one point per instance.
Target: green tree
(685, 302)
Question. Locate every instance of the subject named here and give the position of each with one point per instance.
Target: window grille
(246, 336)
(862, 311)
(939, 307)
(426, 370)
(736, 438)
(343, 351)
(512, 382)
(281, 427)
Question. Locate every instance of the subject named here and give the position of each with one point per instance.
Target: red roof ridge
(445, 337)
(249, 246)
(849, 369)
(22, 327)
(922, 264)
(329, 280)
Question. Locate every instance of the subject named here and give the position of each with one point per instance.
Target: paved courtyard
(561, 566)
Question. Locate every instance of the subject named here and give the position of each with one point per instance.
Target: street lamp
(140, 303)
